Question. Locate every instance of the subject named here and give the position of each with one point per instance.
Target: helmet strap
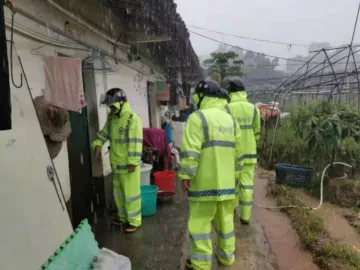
(120, 109)
(200, 100)
(121, 106)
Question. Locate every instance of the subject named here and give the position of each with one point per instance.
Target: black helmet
(235, 85)
(113, 96)
(210, 88)
(224, 94)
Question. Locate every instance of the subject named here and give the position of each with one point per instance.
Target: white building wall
(35, 73)
(32, 52)
(134, 85)
(33, 223)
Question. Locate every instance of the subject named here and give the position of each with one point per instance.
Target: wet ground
(253, 251)
(283, 239)
(158, 244)
(333, 215)
(268, 243)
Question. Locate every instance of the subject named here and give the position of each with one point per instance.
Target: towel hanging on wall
(64, 83)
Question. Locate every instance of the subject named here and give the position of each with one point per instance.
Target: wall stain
(22, 114)
(11, 143)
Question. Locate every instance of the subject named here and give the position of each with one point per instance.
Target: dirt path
(282, 238)
(269, 242)
(338, 226)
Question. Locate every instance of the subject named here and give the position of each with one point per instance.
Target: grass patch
(327, 252)
(350, 194)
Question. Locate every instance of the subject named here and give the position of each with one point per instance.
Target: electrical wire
(290, 44)
(248, 38)
(255, 52)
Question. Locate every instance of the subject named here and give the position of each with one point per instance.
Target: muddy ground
(283, 239)
(268, 243)
(333, 215)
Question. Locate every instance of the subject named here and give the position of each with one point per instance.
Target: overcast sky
(292, 21)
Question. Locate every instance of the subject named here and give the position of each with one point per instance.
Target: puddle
(283, 239)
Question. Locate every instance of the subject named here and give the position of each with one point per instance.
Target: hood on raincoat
(213, 102)
(238, 96)
(125, 107)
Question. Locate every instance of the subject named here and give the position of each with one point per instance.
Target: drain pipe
(322, 181)
(86, 24)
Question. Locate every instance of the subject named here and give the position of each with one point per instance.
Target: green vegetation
(315, 135)
(224, 65)
(327, 252)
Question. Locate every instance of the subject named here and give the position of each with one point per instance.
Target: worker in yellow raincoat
(210, 148)
(247, 117)
(123, 129)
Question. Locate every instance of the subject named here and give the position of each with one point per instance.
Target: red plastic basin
(165, 180)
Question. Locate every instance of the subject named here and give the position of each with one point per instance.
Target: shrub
(314, 135)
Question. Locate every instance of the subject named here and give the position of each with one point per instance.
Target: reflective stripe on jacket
(125, 134)
(247, 117)
(209, 152)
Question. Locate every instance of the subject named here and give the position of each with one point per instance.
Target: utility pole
(5, 102)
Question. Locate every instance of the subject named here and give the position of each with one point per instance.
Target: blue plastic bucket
(148, 200)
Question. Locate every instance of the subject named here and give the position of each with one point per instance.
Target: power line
(237, 47)
(289, 44)
(269, 55)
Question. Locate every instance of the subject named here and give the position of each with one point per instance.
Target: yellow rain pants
(221, 215)
(127, 196)
(246, 189)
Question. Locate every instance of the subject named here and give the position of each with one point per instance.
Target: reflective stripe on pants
(236, 201)
(127, 196)
(221, 215)
(246, 190)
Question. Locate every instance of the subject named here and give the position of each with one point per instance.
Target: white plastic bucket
(145, 173)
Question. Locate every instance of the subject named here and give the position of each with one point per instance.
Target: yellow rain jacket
(210, 148)
(247, 117)
(126, 136)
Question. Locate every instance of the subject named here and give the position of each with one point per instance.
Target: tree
(226, 64)
(260, 67)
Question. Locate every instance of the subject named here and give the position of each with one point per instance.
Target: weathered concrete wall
(126, 75)
(33, 224)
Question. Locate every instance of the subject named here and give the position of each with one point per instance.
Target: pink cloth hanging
(64, 83)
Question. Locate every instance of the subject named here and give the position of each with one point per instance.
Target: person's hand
(98, 153)
(186, 185)
(131, 168)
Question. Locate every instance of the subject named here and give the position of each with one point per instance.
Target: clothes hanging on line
(64, 83)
